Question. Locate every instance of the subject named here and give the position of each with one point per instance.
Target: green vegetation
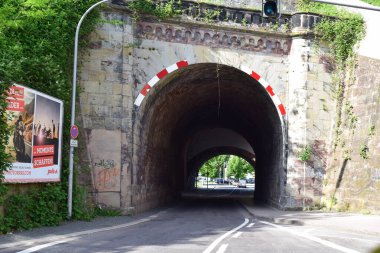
(5, 132)
(322, 9)
(372, 131)
(213, 168)
(211, 15)
(107, 212)
(363, 152)
(342, 35)
(305, 154)
(347, 154)
(237, 167)
(36, 50)
(45, 206)
(341, 31)
(162, 10)
(373, 2)
(351, 116)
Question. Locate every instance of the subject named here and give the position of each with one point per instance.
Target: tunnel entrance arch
(180, 101)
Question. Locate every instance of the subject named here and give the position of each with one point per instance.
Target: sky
(46, 111)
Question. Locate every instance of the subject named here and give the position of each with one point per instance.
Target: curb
(282, 221)
(300, 222)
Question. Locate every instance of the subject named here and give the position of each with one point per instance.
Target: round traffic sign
(74, 131)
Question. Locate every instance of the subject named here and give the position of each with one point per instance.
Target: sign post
(71, 153)
(74, 132)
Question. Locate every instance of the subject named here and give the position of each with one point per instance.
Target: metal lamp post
(341, 3)
(71, 156)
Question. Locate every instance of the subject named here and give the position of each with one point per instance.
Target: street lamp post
(341, 3)
(71, 155)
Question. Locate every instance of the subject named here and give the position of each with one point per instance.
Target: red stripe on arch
(182, 64)
(282, 109)
(163, 73)
(145, 90)
(270, 90)
(255, 75)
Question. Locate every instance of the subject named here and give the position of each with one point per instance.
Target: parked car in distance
(250, 180)
(242, 183)
(219, 181)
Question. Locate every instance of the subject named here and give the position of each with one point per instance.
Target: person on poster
(39, 128)
(53, 135)
(18, 137)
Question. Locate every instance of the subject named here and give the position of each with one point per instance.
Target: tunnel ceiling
(188, 100)
(207, 96)
(213, 138)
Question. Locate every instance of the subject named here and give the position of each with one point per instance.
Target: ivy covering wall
(342, 31)
(36, 50)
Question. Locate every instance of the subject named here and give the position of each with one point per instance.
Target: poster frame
(58, 177)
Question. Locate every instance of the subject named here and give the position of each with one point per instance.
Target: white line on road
(76, 234)
(313, 238)
(217, 241)
(250, 225)
(222, 248)
(35, 248)
(237, 234)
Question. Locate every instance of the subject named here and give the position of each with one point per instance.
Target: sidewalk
(368, 224)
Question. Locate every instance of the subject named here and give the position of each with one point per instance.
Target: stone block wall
(353, 175)
(106, 108)
(311, 112)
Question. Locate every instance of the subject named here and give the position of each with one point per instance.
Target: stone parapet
(213, 38)
(240, 18)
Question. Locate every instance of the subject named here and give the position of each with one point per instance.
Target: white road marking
(313, 238)
(250, 225)
(237, 234)
(76, 234)
(36, 248)
(222, 248)
(218, 240)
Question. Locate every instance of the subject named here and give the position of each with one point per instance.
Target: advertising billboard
(36, 136)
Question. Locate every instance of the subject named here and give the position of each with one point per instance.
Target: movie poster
(36, 137)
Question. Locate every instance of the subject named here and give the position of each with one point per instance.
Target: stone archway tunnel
(200, 111)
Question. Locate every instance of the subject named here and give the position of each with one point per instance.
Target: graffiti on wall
(107, 177)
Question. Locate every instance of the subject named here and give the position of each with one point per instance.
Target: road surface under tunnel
(200, 111)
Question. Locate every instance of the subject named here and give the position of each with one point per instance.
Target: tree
(214, 166)
(238, 167)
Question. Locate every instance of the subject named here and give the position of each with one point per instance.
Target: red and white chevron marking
(276, 100)
(156, 78)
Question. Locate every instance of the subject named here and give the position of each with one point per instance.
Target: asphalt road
(208, 226)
